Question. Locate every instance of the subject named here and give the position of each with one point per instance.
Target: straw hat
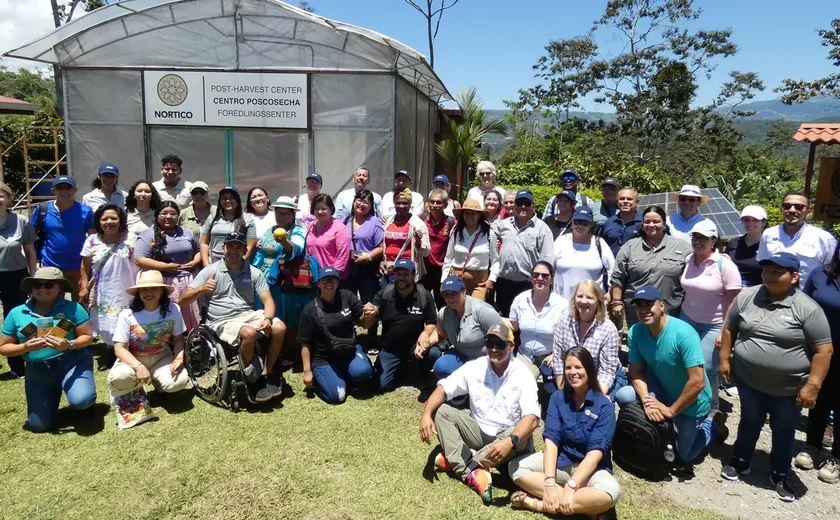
(471, 205)
(690, 190)
(149, 279)
(46, 274)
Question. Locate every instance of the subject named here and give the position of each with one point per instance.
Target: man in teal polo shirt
(667, 375)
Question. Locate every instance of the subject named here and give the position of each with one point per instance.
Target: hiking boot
(735, 469)
(719, 418)
(441, 464)
(783, 487)
(808, 458)
(829, 471)
(267, 393)
(480, 481)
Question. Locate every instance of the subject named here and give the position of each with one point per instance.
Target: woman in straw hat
(53, 336)
(145, 330)
(472, 253)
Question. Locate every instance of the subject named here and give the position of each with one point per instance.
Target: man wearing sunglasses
(570, 181)
(814, 247)
(689, 201)
(497, 433)
(486, 173)
(525, 241)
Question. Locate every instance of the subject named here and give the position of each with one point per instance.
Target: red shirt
(395, 238)
(439, 239)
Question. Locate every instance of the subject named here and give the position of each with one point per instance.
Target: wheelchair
(216, 370)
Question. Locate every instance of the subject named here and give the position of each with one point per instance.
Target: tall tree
(567, 69)
(526, 118)
(430, 11)
(797, 91)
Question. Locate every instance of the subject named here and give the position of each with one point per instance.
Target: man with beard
(408, 318)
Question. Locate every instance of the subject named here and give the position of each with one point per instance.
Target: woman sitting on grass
(579, 430)
(142, 340)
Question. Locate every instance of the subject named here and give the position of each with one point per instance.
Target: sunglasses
(485, 173)
(688, 199)
(495, 345)
(578, 222)
(568, 179)
(45, 285)
(788, 205)
(537, 276)
(524, 203)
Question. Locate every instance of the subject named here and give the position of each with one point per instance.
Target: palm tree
(459, 151)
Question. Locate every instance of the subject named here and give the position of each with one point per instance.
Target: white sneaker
(829, 471)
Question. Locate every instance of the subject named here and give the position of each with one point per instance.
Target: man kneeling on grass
(229, 286)
(504, 411)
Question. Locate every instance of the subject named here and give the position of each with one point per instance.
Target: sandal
(522, 500)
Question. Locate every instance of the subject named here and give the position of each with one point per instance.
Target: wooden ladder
(57, 165)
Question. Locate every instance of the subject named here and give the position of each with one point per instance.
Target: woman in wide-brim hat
(472, 253)
(145, 331)
(53, 335)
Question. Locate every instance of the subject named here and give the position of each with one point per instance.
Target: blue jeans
(332, 378)
(386, 365)
(71, 372)
(444, 363)
(708, 332)
(692, 434)
(784, 414)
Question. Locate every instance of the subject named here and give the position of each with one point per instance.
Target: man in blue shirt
(62, 230)
(619, 228)
(667, 375)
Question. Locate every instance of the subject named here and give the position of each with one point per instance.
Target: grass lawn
(302, 459)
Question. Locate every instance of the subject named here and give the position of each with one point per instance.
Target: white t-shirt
(475, 193)
(576, 262)
(389, 209)
(145, 333)
(263, 223)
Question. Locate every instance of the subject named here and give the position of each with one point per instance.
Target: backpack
(388, 294)
(639, 444)
(41, 228)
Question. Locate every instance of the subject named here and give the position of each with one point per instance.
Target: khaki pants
(601, 480)
(476, 282)
(459, 434)
(123, 378)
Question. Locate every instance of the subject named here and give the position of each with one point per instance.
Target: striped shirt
(601, 340)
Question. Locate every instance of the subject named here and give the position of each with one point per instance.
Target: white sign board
(227, 99)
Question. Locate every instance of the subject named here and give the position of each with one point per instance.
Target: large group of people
(498, 305)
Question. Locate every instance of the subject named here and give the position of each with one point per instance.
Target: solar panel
(719, 209)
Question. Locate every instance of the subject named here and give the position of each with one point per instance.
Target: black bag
(41, 228)
(639, 444)
(338, 346)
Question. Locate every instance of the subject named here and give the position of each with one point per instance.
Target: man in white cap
(814, 247)
(689, 201)
(344, 200)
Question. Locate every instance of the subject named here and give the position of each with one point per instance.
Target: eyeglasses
(495, 344)
(578, 222)
(688, 199)
(524, 203)
(537, 276)
(45, 285)
(788, 205)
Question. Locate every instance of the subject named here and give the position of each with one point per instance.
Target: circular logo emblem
(172, 89)
(835, 183)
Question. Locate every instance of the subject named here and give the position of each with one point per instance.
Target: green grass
(304, 459)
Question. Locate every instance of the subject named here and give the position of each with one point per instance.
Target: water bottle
(669, 453)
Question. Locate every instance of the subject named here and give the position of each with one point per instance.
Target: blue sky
(493, 44)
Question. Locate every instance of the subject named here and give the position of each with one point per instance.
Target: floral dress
(111, 274)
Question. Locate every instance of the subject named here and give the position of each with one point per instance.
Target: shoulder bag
(338, 346)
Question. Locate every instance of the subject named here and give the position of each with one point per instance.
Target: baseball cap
(500, 331)
(756, 212)
(235, 237)
(569, 194)
(403, 172)
(328, 272)
(611, 181)
(199, 185)
(570, 173)
(782, 259)
(647, 293)
(404, 263)
(315, 176)
(63, 179)
(524, 194)
(453, 283)
(229, 188)
(109, 168)
(705, 227)
(441, 178)
(284, 202)
(583, 213)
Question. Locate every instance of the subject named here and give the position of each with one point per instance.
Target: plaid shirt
(601, 340)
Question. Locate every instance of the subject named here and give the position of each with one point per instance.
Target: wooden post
(809, 169)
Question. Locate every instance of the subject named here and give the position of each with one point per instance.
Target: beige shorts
(601, 480)
(228, 331)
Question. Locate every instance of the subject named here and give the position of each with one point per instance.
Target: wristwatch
(71, 345)
(572, 484)
(515, 440)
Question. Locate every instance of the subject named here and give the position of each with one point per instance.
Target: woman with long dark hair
(651, 257)
(174, 251)
(472, 253)
(229, 218)
(107, 269)
(573, 473)
(145, 331)
(142, 202)
(257, 205)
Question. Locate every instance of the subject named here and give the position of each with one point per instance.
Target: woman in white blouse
(535, 313)
(581, 256)
(472, 253)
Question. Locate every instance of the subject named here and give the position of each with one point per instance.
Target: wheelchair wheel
(206, 365)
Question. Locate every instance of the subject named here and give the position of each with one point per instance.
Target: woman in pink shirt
(328, 239)
(710, 282)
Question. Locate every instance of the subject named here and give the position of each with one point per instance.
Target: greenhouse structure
(247, 92)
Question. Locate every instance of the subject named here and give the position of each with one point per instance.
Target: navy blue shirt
(617, 233)
(822, 287)
(576, 432)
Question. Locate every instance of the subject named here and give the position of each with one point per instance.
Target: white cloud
(21, 22)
